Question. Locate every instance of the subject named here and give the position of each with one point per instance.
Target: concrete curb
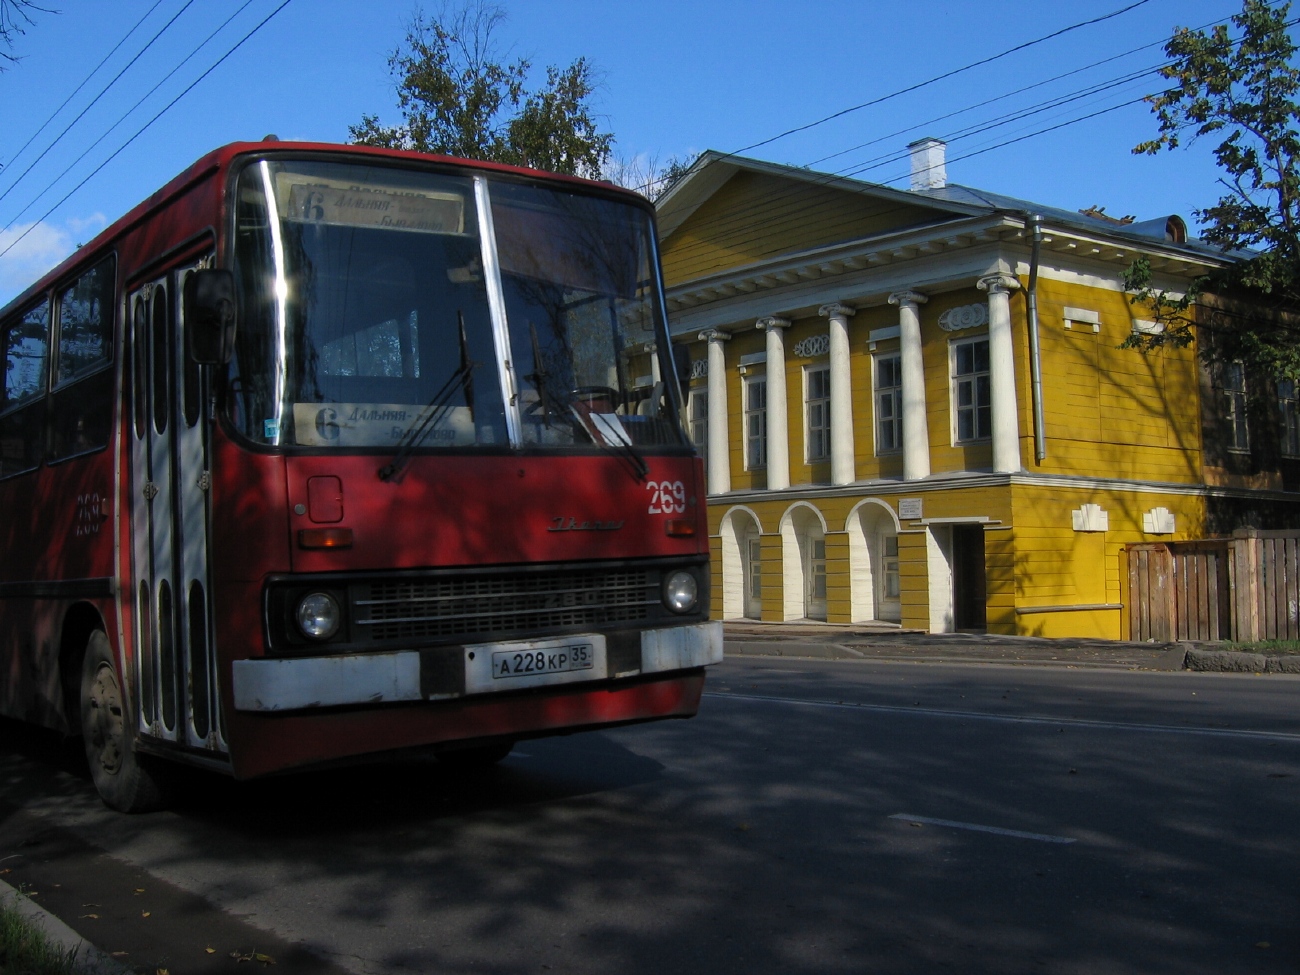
(1241, 662)
(90, 960)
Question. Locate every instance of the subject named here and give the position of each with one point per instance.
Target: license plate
(534, 663)
(508, 664)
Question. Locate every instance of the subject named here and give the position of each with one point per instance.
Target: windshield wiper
(436, 410)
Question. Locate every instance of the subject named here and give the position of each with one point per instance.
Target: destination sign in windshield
(342, 204)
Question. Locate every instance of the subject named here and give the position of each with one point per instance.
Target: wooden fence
(1242, 588)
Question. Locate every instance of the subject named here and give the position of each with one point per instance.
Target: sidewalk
(827, 641)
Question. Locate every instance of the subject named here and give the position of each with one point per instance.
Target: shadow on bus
(411, 789)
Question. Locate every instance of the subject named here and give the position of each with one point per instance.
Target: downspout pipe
(1035, 226)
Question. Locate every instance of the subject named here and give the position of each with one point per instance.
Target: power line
(54, 182)
(84, 81)
(146, 126)
(101, 94)
(941, 77)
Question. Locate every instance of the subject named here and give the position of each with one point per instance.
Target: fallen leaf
(162, 971)
(139, 890)
(145, 913)
(94, 917)
(6, 870)
(210, 951)
(264, 959)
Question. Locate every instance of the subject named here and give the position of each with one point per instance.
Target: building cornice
(872, 268)
(966, 480)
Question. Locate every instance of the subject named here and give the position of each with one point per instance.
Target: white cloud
(41, 247)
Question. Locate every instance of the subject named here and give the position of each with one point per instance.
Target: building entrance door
(969, 582)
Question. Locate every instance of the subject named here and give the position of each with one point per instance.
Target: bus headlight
(681, 591)
(318, 615)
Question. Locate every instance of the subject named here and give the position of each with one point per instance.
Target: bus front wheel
(124, 782)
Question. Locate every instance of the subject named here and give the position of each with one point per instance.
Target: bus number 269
(667, 497)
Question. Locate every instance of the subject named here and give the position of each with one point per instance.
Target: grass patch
(25, 950)
(1266, 646)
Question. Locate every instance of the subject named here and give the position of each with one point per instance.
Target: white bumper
(378, 678)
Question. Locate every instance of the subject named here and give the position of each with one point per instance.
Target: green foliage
(24, 950)
(1244, 92)
(459, 96)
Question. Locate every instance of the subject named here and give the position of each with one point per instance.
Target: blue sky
(677, 78)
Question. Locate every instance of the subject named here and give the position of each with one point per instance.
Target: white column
(719, 470)
(916, 425)
(842, 451)
(1002, 373)
(778, 436)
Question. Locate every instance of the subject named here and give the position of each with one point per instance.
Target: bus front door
(176, 673)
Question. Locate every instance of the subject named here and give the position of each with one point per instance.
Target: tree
(459, 96)
(15, 18)
(1243, 91)
(646, 175)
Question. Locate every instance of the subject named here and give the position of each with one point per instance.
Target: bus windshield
(390, 308)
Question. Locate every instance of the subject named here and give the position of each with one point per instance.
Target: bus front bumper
(267, 685)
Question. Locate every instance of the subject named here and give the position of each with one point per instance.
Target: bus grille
(503, 606)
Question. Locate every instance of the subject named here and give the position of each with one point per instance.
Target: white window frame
(697, 418)
(817, 414)
(755, 422)
(893, 395)
(1234, 406)
(969, 380)
(1288, 405)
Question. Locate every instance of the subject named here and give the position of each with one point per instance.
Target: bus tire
(125, 780)
(476, 756)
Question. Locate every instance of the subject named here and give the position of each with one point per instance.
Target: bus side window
(22, 411)
(81, 408)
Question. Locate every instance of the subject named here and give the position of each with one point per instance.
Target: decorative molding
(965, 316)
(836, 309)
(1090, 518)
(713, 335)
(998, 284)
(771, 322)
(1158, 521)
(699, 368)
(1082, 316)
(902, 298)
(1143, 326)
(814, 345)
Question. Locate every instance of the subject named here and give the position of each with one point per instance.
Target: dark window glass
(86, 323)
(22, 412)
(27, 349)
(81, 408)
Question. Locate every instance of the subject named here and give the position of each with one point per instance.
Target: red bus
(325, 452)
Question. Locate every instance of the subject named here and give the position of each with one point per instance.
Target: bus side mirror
(210, 313)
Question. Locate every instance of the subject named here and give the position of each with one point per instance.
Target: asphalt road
(818, 816)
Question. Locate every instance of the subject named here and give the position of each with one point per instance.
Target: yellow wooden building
(914, 407)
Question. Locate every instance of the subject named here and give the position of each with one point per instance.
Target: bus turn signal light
(325, 538)
(679, 527)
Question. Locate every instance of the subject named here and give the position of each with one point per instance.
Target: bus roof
(224, 156)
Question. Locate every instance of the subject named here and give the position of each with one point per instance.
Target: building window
(971, 390)
(755, 422)
(1234, 405)
(889, 404)
(817, 386)
(1288, 404)
(698, 411)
